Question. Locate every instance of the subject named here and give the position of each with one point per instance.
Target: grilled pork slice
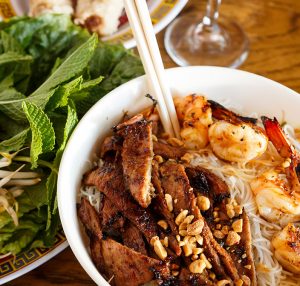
(167, 151)
(128, 267)
(111, 146)
(89, 218)
(227, 225)
(112, 220)
(137, 153)
(109, 180)
(133, 238)
(175, 182)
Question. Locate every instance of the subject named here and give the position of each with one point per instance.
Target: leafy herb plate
(162, 13)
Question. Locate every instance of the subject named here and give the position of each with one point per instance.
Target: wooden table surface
(273, 27)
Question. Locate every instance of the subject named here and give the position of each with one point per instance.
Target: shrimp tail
(285, 149)
(278, 137)
(222, 113)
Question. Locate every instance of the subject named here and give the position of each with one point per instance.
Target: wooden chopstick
(162, 94)
(153, 48)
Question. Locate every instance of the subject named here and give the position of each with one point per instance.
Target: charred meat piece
(222, 113)
(159, 202)
(133, 238)
(175, 182)
(160, 206)
(167, 151)
(111, 146)
(128, 267)
(207, 183)
(109, 180)
(89, 218)
(186, 278)
(111, 218)
(238, 255)
(137, 153)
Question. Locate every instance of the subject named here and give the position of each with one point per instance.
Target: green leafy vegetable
(43, 136)
(51, 73)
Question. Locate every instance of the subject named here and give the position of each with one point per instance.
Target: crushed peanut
(187, 248)
(286, 163)
(195, 257)
(178, 237)
(215, 214)
(217, 219)
(219, 234)
(232, 238)
(188, 219)
(212, 275)
(244, 255)
(195, 228)
(166, 241)
(183, 232)
(218, 226)
(153, 239)
(158, 159)
(199, 239)
(180, 218)
(197, 251)
(187, 239)
(203, 203)
(248, 266)
(183, 225)
(197, 266)
(225, 229)
(237, 226)
(240, 282)
(175, 201)
(175, 273)
(154, 138)
(169, 202)
(160, 250)
(192, 239)
(175, 142)
(163, 224)
(223, 282)
(187, 157)
(181, 243)
(238, 210)
(208, 264)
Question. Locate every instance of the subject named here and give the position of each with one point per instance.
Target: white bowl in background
(250, 92)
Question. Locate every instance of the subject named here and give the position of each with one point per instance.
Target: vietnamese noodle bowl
(238, 177)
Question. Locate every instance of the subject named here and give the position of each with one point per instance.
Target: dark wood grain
(273, 27)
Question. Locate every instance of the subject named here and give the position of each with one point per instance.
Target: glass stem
(212, 13)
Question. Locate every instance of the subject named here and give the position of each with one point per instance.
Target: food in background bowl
(236, 175)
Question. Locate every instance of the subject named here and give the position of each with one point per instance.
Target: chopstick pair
(140, 22)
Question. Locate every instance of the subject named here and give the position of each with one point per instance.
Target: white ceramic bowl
(251, 93)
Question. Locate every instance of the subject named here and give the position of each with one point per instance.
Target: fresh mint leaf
(43, 136)
(71, 67)
(10, 44)
(71, 122)
(15, 143)
(12, 57)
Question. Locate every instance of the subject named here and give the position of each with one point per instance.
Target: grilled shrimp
(235, 138)
(273, 199)
(277, 192)
(286, 244)
(195, 116)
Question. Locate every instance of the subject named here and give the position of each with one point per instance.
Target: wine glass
(196, 40)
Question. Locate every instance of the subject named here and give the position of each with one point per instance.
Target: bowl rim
(67, 226)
